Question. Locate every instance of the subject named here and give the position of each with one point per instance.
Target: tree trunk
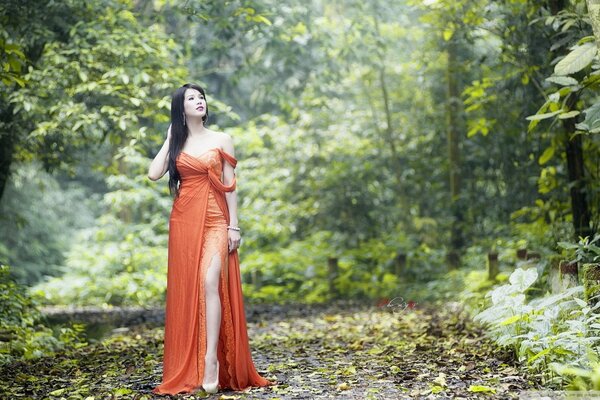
(332, 274)
(389, 128)
(257, 279)
(569, 271)
(492, 265)
(591, 283)
(125, 213)
(8, 141)
(576, 171)
(452, 131)
(594, 13)
(399, 264)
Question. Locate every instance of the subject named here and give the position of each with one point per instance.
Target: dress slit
(214, 245)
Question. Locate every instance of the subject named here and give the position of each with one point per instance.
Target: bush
(548, 333)
(121, 260)
(23, 334)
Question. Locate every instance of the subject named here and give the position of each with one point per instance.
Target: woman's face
(194, 103)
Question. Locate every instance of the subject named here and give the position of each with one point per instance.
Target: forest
(418, 187)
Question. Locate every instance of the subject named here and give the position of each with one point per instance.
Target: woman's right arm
(160, 164)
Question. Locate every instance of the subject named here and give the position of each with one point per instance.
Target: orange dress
(198, 231)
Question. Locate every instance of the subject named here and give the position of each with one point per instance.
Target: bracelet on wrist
(235, 228)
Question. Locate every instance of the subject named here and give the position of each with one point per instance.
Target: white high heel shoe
(214, 386)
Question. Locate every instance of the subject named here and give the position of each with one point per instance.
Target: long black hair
(179, 132)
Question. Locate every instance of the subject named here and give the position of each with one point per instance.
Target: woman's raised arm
(160, 164)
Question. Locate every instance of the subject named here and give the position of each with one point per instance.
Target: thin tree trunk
(125, 213)
(8, 141)
(452, 132)
(576, 171)
(388, 114)
(389, 129)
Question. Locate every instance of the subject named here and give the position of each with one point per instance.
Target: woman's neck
(196, 127)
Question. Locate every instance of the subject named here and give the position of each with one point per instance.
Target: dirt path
(364, 352)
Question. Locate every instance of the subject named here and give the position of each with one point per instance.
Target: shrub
(23, 334)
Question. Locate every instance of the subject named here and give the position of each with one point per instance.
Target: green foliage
(584, 251)
(122, 258)
(324, 215)
(340, 114)
(572, 90)
(11, 61)
(559, 329)
(23, 332)
(39, 215)
(580, 378)
(591, 123)
(107, 82)
(299, 272)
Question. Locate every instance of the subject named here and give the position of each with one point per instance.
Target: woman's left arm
(231, 197)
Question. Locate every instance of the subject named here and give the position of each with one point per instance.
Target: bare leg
(213, 317)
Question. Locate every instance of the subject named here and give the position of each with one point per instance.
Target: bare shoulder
(224, 136)
(226, 142)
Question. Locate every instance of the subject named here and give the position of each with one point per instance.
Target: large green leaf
(523, 278)
(562, 80)
(579, 58)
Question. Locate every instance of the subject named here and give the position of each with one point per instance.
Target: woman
(206, 342)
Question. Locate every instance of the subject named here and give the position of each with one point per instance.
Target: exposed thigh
(215, 239)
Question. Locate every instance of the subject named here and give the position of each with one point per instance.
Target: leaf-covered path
(365, 352)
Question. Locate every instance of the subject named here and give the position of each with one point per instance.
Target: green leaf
(481, 388)
(537, 117)
(260, 18)
(540, 354)
(546, 155)
(562, 80)
(57, 392)
(580, 302)
(448, 34)
(590, 38)
(437, 389)
(569, 114)
(567, 245)
(122, 391)
(511, 320)
(523, 278)
(15, 63)
(591, 123)
(579, 58)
